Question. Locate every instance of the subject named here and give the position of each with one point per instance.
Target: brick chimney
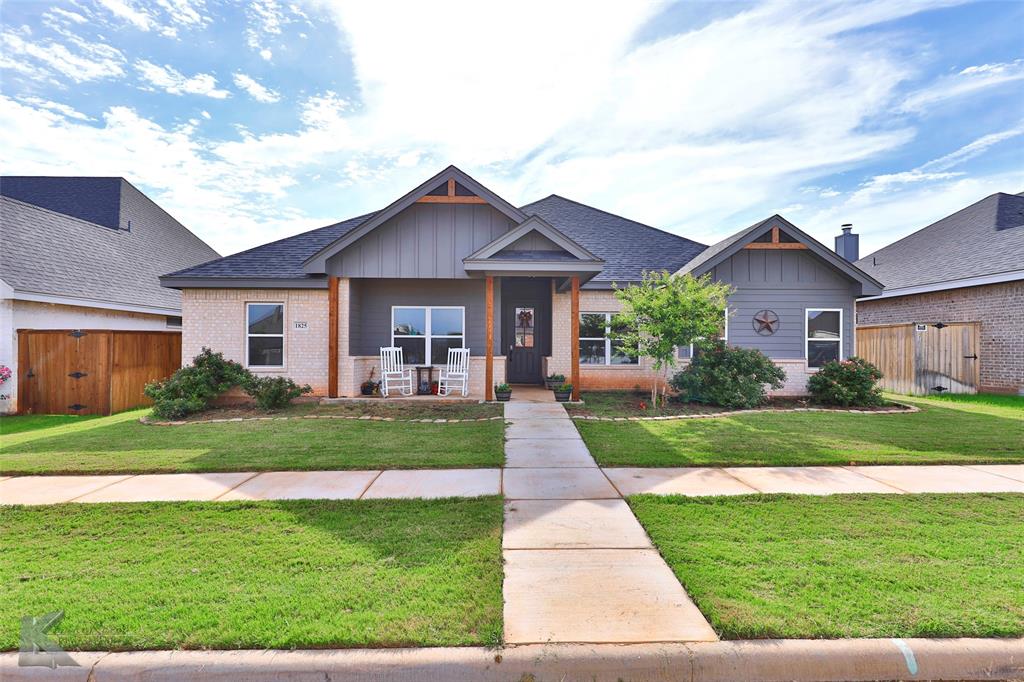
(848, 243)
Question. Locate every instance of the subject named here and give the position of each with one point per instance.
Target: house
(529, 289)
(966, 270)
(84, 322)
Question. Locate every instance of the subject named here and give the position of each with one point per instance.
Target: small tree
(665, 312)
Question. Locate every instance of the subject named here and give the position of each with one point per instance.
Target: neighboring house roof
(980, 243)
(54, 257)
(716, 253)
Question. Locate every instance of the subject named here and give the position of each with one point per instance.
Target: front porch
(506, 321)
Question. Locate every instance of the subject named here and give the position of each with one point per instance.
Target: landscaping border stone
(902, 409)
(365, 417)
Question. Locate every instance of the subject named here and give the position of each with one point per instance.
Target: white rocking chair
(393, 374)
(456, 374)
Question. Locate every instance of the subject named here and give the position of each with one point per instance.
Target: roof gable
(532, 225)
(747, 238)
(428, 191)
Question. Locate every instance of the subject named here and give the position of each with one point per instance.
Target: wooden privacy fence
(923, 358)
(86, 371)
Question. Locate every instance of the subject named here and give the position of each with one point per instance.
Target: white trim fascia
(997, 278)
(93, 303)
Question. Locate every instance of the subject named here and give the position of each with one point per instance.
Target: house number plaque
(300, 325)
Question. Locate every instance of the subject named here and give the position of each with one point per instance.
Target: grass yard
(394, 408)
(34, 422)
(120, 444)
(945, 431)
(224, 575)
(772, 566)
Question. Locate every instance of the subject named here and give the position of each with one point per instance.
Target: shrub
(850, 383)
(727, 376)
(191, 388)
(273, 393)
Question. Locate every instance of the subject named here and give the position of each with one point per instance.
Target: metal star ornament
(766, 322)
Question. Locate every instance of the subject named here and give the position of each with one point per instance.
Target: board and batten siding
(425, 241)
(786, 282)
(372, 299)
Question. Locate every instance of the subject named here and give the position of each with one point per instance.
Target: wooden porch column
(575, 327)
(332, 336)
(489, 367)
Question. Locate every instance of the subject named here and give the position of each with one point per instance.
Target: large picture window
(597, 347)
(425, 333)
(824, 335)
(264, 335)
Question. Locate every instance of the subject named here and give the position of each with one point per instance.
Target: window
(524, 327)
(264, 335)
(824, 335)
(173, 321)
(596, 345)
(423, 332)
(690, 351)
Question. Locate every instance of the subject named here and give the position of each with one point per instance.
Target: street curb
(847, 660)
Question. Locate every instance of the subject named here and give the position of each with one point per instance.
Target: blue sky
(251, 122)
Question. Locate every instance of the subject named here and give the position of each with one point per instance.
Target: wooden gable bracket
(451, 198)
(775, 243)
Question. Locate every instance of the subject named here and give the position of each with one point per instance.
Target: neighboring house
(80, 295)
(528, 289)
(965, 268)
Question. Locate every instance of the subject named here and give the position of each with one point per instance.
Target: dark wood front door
(526, 328)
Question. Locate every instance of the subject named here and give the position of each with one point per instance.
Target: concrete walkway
(578, 565)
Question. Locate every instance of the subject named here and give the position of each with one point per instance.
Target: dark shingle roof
(986, 238)
(95, 200)
(718, 247)
(629, 248)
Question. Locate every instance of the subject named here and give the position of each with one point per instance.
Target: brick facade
(998, 307)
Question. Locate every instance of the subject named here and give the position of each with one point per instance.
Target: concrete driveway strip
(572, 524)
(298, 485)
(808, 480)
(692, 481)
(435, 483)
(516, 410)
(1014, 471)
(168, 488)
(597, 595)
(941, 479)
(52, 489)
(557, 484)
(551, 429)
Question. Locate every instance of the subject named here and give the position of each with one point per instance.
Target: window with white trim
(597, 347)
(427, 332)
(264, 335)
(824, 332)
(688, 351)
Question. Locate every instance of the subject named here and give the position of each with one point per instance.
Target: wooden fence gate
(91, 371)
(920, 359)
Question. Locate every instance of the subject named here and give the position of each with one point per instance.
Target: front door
(526, 315)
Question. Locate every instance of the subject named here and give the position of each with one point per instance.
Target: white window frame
(807, 331)
(428, 330)
(607, 342)
(725, 335)
(284, 341)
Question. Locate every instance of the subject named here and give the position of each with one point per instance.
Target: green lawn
(119, 444)
(34, 422)
(944, 431)
(770, 566)
(225, 575)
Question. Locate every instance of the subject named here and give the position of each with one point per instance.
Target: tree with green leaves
(665, 312)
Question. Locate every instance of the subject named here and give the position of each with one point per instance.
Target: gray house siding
(425, 241)
(786, 282)
(372, 299)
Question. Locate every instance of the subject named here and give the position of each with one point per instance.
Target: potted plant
(563, 392)
(503, 392)
(369, 387)
(554, 381)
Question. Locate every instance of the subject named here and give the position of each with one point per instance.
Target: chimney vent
(848, 243)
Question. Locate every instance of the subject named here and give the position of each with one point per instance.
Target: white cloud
(968, 81)
(58, 107)
(172, 81)
(205, 114)
(256, 90)
(88, 61)
(973, 149)
(128, 11)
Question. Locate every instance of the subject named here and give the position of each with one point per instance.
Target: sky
(250, 122)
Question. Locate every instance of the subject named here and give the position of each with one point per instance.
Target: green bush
(191, 388)
(850, 383)
(727, 376)
(273, 393)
